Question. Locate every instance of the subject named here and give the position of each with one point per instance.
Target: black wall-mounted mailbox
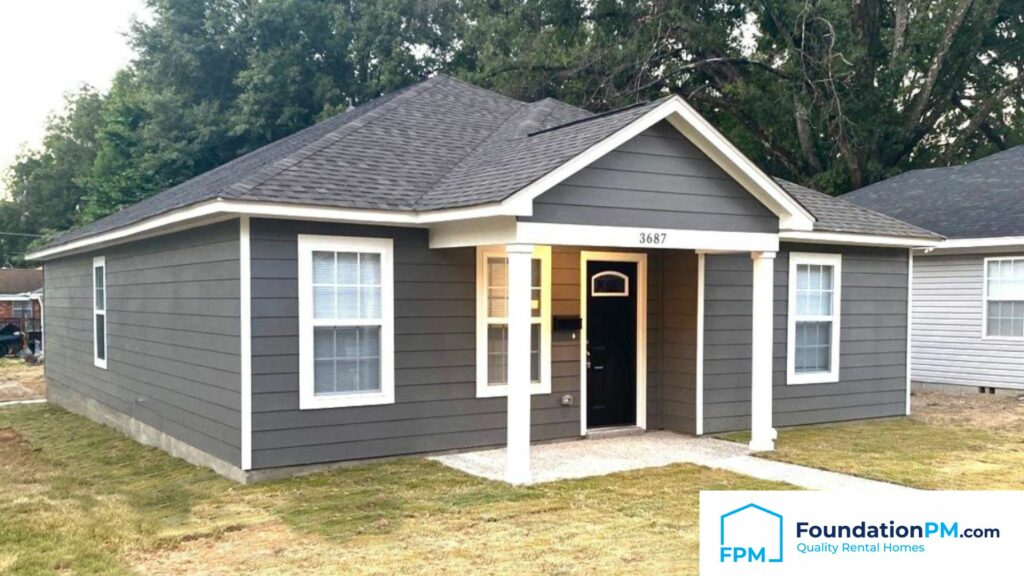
(567, 323)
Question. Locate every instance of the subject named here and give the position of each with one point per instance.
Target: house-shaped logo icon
(750, 533)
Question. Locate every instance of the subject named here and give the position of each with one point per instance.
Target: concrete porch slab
(600, 456)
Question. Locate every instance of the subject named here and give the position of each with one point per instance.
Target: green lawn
(79, 498)
(972, 442)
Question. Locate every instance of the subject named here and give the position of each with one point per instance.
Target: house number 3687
(653, 238)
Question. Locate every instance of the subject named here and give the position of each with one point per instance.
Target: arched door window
(609, 284)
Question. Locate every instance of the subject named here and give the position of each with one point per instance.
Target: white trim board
(992, 242)
(645, 238)
(699, 371)
(846, 238)
(910, 319)
(245, 336)
(640, 258)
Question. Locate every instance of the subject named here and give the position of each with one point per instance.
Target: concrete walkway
(597, 457)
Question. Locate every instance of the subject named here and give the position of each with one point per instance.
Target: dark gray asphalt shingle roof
(833, 214)
(981, 199)
(438, 144)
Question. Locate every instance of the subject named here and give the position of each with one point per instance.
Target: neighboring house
(379, 283)
(968, 294)
(21, 292)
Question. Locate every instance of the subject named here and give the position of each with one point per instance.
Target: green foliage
(830, 94)
(46, 185)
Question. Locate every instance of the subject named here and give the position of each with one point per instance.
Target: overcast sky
(49, 47)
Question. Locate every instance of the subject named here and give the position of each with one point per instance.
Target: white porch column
(762, 434)
(520, 271)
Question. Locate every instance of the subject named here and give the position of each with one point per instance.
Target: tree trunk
(804, 135)
(948, 35)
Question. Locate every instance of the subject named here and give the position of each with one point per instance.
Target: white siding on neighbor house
(948, 346)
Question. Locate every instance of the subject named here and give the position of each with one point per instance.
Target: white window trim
(985, 299)
(483, 390)
(596, 294)
(100, 262)
(836, 261)
(307, 244)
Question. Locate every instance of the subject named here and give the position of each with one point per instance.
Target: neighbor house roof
(440, 144)
(20, 280)
(980, 199)
(833, 214)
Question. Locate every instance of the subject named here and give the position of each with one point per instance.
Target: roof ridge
(291, 160)
(475, 87)
(598, 116)
(483, 142)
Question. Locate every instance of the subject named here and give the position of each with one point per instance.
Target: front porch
(555, 461)
(621, 343)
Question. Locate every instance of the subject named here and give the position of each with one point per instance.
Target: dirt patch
(266, 547)
(21, 381)
(989, 412)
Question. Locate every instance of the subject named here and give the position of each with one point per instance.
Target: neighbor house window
(21, 309)
(99, 312)
(1004, 297)
(492, 321)
(346, 321)
(814, 306)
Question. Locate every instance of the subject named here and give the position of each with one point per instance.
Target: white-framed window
(99, 312)
(492, 321)
(815, 282)
(1004, 298)
(346, 321)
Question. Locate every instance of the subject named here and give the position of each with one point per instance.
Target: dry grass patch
(951, 442)
(81, 498)
(20, 380)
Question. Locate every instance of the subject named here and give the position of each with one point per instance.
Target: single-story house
(21, 291)
(446, 268)
(968, 292)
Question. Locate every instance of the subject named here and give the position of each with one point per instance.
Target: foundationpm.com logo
(889, 530)
(751, 533)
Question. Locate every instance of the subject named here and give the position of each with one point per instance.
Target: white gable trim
(710, 141)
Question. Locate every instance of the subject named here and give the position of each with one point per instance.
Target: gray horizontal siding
(435, 407)
(679, 342)
(872, 365)
(658, 179)
(172, 329)
(948, 346)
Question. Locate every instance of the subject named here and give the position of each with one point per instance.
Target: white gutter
(846, 238)
(219, 210)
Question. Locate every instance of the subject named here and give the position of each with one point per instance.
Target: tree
(46, 185)
(831, 94)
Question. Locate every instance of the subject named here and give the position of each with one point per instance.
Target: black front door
(611, 344)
